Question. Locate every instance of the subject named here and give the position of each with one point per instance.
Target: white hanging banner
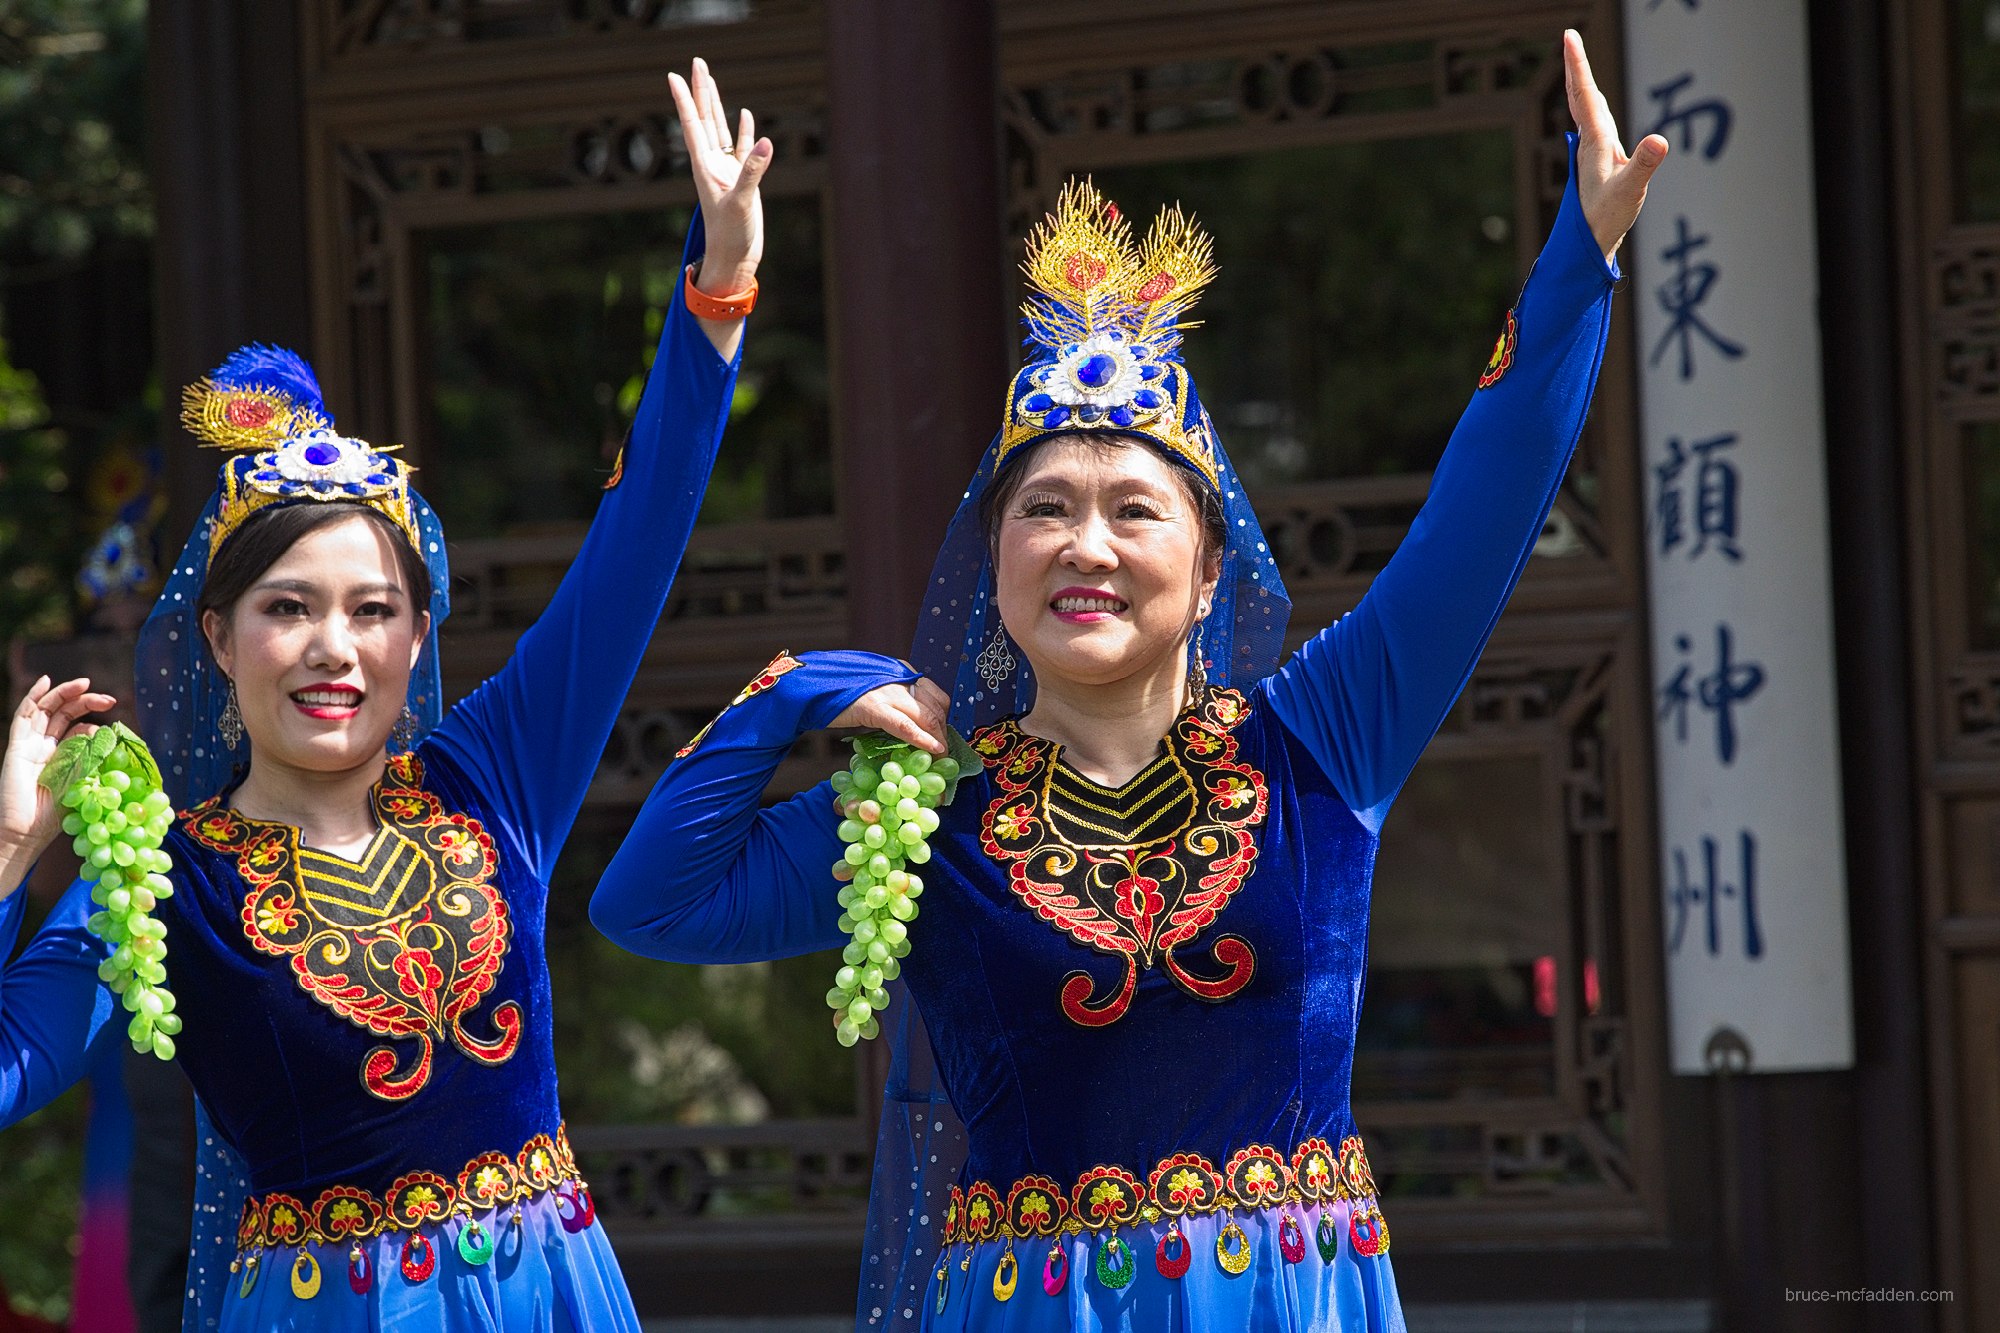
(1725, 278)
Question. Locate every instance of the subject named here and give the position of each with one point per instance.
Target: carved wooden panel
(1589, 1142)
(1965, 280)
(1950, 322)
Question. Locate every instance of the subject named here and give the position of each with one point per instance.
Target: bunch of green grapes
(118, 816)
(888, 797)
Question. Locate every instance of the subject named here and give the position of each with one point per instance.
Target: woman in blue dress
(356, 933)
(1140, 953)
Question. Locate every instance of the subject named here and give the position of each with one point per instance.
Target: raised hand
(915, 712)
(30, 816)
(1611, 185)
(727, 168)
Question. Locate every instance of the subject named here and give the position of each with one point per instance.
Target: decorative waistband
(342, 1212)
(1105, 1198)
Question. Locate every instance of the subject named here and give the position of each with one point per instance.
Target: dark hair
(1206, 504)
(268, 534)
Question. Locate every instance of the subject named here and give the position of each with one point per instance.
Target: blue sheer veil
(181, 694)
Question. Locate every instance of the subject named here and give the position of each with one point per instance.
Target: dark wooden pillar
(918, 326)
(225, 102)
(225, 116)
(1858, 308)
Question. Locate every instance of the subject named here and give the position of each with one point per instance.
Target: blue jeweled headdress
(264, 404)
(1104, 317)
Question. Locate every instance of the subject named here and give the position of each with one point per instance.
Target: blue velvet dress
(1143, 1000)
(373, 1037)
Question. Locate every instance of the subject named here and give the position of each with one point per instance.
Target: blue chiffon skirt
(540, 1278)
(1274, 1292)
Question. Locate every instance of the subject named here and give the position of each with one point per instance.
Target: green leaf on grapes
(968, 761)
(140, 757)
(875, 746)
(70, 762)
(102, 742)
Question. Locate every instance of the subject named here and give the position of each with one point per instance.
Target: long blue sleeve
(52, 1005)
(706, 875)
(532, 734)
(1366, 694)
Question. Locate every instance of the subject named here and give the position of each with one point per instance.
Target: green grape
(117, 821)
(887, 800)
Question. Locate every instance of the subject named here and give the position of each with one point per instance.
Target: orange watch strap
(733, 306)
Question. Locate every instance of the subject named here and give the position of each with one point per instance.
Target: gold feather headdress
(1104, 318)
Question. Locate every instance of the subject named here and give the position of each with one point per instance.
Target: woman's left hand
(727, 168)
(1611, 185)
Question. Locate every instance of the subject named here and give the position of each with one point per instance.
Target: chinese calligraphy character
(1690, 5)
(1720, 117)
(1706, 894)
(1715, 495)
(1720, 692)
(1681, 297)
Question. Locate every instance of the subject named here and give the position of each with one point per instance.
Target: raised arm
(532, 735)
(706, 875)
(1366, 694)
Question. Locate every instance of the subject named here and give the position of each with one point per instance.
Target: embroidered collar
(406, 942)
(1137, 871)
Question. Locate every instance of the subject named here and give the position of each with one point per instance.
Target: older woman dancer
(1140, 953)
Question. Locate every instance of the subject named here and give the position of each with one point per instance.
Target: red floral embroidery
(406, 944)
(1502, 358)
(766, 678)
(419, 976)
(1181, 1185)
(1136, 893)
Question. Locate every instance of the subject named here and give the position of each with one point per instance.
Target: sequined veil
(1103, 322)
(181, 695)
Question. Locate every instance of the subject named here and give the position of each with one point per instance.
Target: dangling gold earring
(230, 725)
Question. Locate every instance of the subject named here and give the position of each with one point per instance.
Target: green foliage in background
(72, 122)
(72, 183)
(638, 1040)
(38, 541)
(541, 333)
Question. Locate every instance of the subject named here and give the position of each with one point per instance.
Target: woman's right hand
(727, 167)
(916, 712)
(30, 815)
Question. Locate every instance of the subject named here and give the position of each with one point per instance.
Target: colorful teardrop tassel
(360, 1271)
(1327, 1238)
(1055, 1269)
(1369, 1232)
(1006, 1276)
(474, 1245)
(575, 1207)
(305, 1276)
(1115, 1267)
(1173, 1265)
(943, 1282)
(419, 1257)
(250, 1267)
(1234, 1261)
(1291, 1239)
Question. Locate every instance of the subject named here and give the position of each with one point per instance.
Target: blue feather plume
(274, 370)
